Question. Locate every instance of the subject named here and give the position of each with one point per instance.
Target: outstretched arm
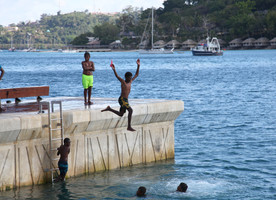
(117, 76)
(137, 71)
(2, 73)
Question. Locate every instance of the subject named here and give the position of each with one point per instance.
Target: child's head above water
(141, 192)
(182, 187)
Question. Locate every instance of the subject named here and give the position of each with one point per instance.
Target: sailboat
(155, 50)
(12, 49)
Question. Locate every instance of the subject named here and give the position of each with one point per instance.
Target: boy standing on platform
(125, 90)
(87, 78)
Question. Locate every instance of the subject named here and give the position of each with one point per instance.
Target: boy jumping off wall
(87, 78)
(125, 90)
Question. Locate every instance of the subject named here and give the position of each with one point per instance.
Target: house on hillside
(261, 42)
(129, 34)
(117, 44)
(93, 43)
(90, 39)
(249, 43)
(188, 44)
(273, 43)
(236, 43)
(11, 28)
(172, 44)
(143, 44)
(159, 44)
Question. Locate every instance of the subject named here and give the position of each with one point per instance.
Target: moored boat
(156, 51)
(153, 49)
(208, 49)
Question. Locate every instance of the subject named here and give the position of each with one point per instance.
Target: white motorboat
(208, 49)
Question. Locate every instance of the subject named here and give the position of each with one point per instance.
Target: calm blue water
(225, 140)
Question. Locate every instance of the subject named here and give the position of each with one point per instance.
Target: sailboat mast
(152, 28)
(11, 41)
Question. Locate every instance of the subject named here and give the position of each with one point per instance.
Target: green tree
(243, 20)
(271, 23)
(265, 4)
(129, 19)
(171, 22)
(82, 39)
(107, 33)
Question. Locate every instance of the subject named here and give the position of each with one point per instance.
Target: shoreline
(128, 50)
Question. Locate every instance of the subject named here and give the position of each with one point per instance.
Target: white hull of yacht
(155, 51)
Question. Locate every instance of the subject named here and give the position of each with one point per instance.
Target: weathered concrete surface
(99, 140)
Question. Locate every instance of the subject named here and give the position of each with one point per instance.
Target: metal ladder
(59, 128)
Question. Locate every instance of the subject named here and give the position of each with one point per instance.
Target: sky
(15, 11)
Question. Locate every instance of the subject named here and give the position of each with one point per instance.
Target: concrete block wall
(99, 141)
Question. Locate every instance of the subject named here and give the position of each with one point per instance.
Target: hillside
(179, 19)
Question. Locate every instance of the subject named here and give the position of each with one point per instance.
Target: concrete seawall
(99, 140)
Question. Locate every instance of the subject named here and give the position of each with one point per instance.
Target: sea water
(225, 140)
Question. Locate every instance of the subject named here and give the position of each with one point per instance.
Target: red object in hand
(111, 63)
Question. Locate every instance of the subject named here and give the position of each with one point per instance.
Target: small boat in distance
(31, 49)
(208, 49)
(12, 49)
(69, 51)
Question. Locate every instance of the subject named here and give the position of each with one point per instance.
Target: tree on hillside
(172, 5)
(171, 21)
(82, 39)
(107, 33)
(129, 19)
(271, 23)
(265, 4)
(242, 22)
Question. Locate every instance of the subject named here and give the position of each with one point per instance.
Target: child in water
(125, 90)
(63, 151)
(182, 187)
(141, 192)
(87, 78)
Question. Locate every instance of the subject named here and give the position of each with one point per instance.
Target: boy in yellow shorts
(87, 78)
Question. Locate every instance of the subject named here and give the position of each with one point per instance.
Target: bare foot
(107, 109)
(90, 103)
(130, 129)
(86, 103)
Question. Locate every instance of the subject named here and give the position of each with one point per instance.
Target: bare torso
(125, 89)
(63, 151)
(88, 67)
